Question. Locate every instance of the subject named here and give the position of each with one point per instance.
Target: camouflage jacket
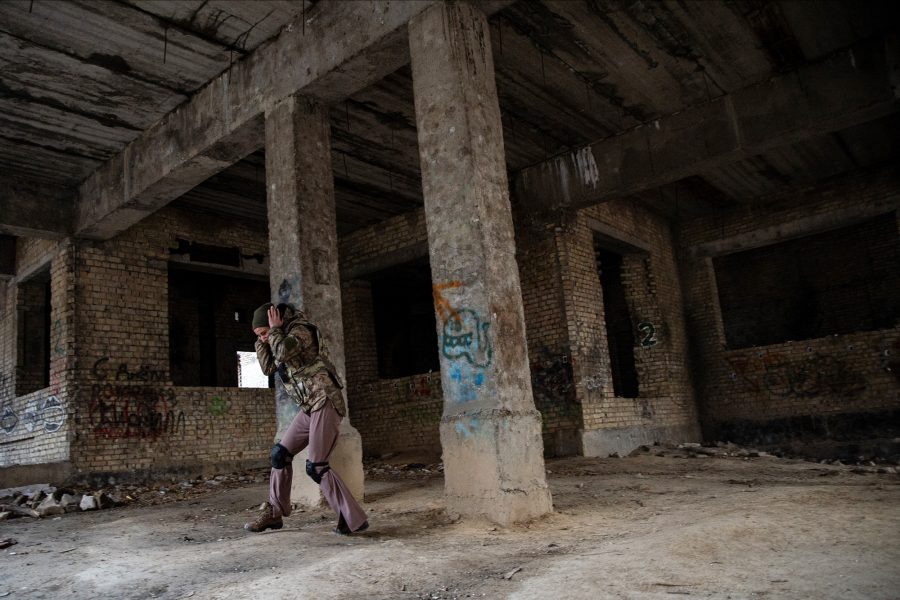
(297, 352)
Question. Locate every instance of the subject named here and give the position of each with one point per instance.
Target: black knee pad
(280, 457)
(314, 474)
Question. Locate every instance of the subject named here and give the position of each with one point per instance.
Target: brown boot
(265, 520)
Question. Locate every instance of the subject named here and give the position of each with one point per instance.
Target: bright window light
(250, 374)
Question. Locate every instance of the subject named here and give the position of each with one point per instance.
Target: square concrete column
(303, 263)
(490, 430)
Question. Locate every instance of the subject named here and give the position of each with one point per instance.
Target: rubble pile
(47, 501)
(43, 500)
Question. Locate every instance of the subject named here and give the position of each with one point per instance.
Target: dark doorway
(619, 331)
(405, 329)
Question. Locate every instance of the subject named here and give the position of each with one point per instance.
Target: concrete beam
(33, 209)
(851, 87)
(341, 48)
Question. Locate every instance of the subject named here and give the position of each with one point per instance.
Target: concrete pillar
(303, 263)
(490, 430)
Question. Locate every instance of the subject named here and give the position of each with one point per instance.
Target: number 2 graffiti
(649, 334)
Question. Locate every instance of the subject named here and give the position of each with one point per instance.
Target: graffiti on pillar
(648, 334)
(8, 419)
(441, 304)
(288, 289)
(465, 342)
(47, 414)
(467, 336)
(466, 427)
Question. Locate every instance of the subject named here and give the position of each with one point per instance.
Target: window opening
(405, 327)
(250, 374)
(204, 335)
(837, 282)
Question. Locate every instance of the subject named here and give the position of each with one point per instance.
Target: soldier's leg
(292, 442)
(323, 434)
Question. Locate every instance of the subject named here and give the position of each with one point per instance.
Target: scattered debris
(44, 500)
(413, 470)
(7, 542)
(88, 502)
(509, 575)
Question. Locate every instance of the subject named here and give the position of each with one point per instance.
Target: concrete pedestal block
(346, 460)
(493, 465)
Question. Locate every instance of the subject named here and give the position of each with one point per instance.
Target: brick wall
(815, 386)
(664, 409)
(566, 336)
(129, 416)
(539, 252)
(35, 415)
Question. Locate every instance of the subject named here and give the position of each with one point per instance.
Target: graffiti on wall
(8, 419)
(121, 407)
(648, 334)
(45, 414)
(134, 411)
(465, 342)
(103, 371)
(552, 376)
(218, 406)
(812, 376)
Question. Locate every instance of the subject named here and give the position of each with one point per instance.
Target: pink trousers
(319, 431)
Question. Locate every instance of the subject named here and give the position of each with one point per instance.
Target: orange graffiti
(441, 304)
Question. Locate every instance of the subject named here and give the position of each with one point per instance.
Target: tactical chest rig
(297, 379)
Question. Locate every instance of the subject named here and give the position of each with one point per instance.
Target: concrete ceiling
(81, 79)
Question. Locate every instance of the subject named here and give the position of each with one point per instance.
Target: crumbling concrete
(490, 430)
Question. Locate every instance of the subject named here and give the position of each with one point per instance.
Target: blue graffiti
(465, 381)
(467, 429)
(466, 336)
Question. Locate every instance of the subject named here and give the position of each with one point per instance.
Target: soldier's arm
(264, 356)
(291, 345)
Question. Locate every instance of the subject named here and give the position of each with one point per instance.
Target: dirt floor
(639, 527)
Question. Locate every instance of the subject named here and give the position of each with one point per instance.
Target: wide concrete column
(303, 263)
(490, 430)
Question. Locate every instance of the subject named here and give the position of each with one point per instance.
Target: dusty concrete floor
(641, 527)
